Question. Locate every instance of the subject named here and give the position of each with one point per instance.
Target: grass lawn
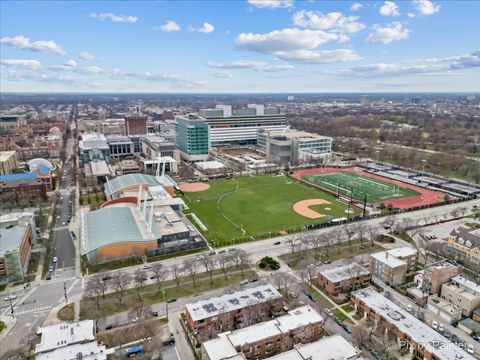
(301, 258)
(67, 312)
(150, 294)
(177, 254)
(357, 316)
(347, 308)
(473, 226)
(361, 185)
(233, 210)
(340, 315)
(2, 326)
(323, 302)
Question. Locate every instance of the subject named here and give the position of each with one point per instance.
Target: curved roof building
(114, 187)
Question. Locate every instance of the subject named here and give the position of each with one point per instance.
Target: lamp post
(423, 166)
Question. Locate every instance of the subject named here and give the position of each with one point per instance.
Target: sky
(281, 46)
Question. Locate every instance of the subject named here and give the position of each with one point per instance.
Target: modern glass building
(193, 137)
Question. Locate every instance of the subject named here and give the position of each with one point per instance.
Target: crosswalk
(57, 280)
(33, 310)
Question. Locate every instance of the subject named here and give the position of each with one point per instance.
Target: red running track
(426, 197)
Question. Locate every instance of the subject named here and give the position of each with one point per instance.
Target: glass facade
(192, 136)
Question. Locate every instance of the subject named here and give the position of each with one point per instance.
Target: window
(258, 347)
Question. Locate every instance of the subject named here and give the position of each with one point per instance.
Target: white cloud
(115, 18)
(206, 28)
(22, 42)
(333, 21)
(356, 6)
(94, 70)
(26, 64)
(223, 75)
(426, 7)
(170, 26)
(389, 8)
(411, 15)
(296, 45)
(271, 4)
(251, 64)
(85, 55)
(388, 33)
(70, 63)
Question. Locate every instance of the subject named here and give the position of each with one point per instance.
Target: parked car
(476, 337)
(252, 280)
(326, 262)
(74, 237)
(455, 338)
(409, 308)
(232, 250)
(109, 327)
(211, 253)
(221, 251)
(55, 259)
(440, 327)
(106, 278)
(155, 313)
(244, 282)
(292, 295)
(376, 355)
(311, 298)
(434, 325)
(470, 349)
(447, 334)
(277, 243)
(172, 339)
(10, 297)
(327, 311)
(49, 276)
(346, 328)
(50, 268)
(171, 300)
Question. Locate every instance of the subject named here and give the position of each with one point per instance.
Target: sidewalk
(9, 322)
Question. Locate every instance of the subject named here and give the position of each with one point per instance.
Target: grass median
(151, 294)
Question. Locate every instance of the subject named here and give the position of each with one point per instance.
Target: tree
(349, 233)
(359, 335)
(224, 261)
(372, 233)
(190, 267)
(177, 271)
(292, 241)
(244, 260)
(337, 237)
(95, 288)
(139, 278)
(160, 274)
(140, 311)
(361, 231)
(120, 282)
(209, 262)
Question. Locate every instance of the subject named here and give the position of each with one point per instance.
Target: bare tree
(209, 262)
(390, 222)
(190, 265)
(292, 241)
(95, 289)
(349, 233)
(120, 282)
(337, 237)
(359, 335)
(361, 229)
(139, 278)
(141, 311)
(372, 233)
(177, 271)
(463, 210)
(245, 261)
(224, 261)
(160, 274)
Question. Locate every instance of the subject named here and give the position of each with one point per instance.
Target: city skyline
(240, 47)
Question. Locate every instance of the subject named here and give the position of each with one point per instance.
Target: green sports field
(375, 190)
(259, 205)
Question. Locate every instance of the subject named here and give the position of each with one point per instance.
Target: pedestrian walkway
(33, 310)
(57, 280)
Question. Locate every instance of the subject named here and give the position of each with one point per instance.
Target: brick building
(301, 325)
(231, 311)
(135, 125)
(405, 329)
(343, 278)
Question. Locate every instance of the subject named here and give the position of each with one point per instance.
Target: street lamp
(378, 154)
(423, 166)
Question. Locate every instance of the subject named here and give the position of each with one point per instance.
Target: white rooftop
(90, 351)
(415, 329)
(238, 300)
(209, 165)
(474, 287)
(387, 259)
(64, 334)
(344, 272)
(220, 348)
(403, 251)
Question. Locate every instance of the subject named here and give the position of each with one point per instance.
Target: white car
(327, 311)
(10, 297)
(64, 223)
(434, 325)
(470, 349)
(244, 282)
(55, 259)
(409, 308)
(440, 327)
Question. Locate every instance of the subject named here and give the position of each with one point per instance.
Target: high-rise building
(192, 137)
(135, 125)
(12, 121)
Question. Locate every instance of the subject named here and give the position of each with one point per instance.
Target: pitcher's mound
(303, 208)
(194, 187)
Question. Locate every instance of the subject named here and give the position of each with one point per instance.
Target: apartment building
(463, 293)
(406, 253)
(388, 268)
(231, 311)
(301, 325)
(417, 337)
(464, 243)
(343, 278)
(8, 162)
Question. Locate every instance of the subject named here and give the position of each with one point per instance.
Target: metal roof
(124, 181)
(21, 176)
(11, 237)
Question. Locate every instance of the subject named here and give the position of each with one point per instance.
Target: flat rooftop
(408, 324)
(5, 155)
(64, 334)
(344, 272)
(387, 259)
(238, 300)
(11, 237)
(403, 251)
(468, 284)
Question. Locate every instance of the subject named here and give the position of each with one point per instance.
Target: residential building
(446, 310)
(12, 121)
(70, 341)
(469, 326)
(430, 280)
(8, 162)
(388, 268)
(463, 293)
(193, 137)
(230, 311)
(301, 325)
(93, 147)
(417, 337)
(135, 124)
(22, 189)
(289, 146)
(406, 253)
(343, 278)
(464, 244)
(120, 146)
(17, 236)
(476, 315)
(241, 126)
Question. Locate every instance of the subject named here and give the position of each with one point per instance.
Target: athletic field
(346, 182)
(233, 210)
